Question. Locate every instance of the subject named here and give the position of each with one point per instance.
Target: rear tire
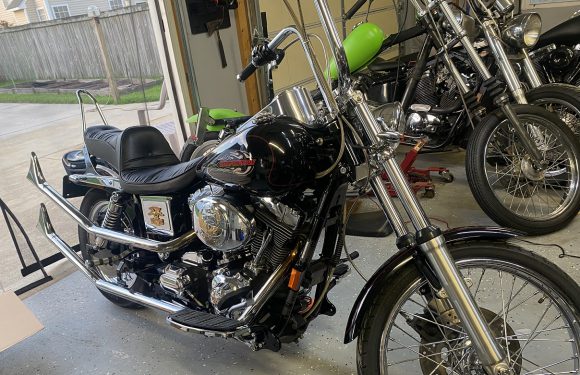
(192, 150)
(560, 99)
(92, 201)
(492, 133)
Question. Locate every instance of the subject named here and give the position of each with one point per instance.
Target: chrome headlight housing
(522, 31)
(466, 22)
(390, 116)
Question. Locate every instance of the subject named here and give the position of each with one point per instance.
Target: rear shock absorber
(112, 217)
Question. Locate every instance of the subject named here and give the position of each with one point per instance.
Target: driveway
(49, 130)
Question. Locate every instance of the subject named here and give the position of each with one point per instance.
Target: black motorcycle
(226, 243)
(452, 98)
(557, 53)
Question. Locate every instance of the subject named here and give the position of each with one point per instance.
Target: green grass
(151, 95)
(5, 84)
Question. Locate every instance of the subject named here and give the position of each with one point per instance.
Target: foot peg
(204, 323)
(340, 270)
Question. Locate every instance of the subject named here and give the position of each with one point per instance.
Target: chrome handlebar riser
(325, 88)
(471, 51)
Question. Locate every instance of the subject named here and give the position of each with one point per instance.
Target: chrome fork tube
(461, 34)
(389, 164)
(429, 238)
(508, 71)
(490, 353)
(531, 73)
(454, 72)
(395, 219)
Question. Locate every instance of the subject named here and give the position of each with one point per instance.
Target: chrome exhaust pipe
(47, 229)
(37, 178)
(139, 298)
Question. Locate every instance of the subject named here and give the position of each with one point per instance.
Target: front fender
(373, 286)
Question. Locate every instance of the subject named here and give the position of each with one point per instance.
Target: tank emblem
(238, 162)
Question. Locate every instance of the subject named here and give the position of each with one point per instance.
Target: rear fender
(373, 287)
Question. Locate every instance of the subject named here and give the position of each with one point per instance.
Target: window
(60, 11)
(115, 4)
(41, 14)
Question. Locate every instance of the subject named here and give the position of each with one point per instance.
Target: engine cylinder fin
(279, 247)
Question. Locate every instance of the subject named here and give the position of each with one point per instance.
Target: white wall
(217, 87)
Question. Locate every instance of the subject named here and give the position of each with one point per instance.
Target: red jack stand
(419, 178)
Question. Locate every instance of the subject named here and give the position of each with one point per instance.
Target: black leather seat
(381, 65)
(101, 141)
(145, 161)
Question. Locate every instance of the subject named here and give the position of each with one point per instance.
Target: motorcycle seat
(101, 142)
(379, 64)
(146, 163)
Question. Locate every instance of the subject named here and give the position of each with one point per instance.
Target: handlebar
(352, 11)
(261, 55)
(247, 72)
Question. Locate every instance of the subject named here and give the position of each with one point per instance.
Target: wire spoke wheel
(108, 271)
(517, 185)
(568, 114)
(511, 187)
(530, 320)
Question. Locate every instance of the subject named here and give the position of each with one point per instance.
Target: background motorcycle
(227, 243)
(442, 96)
(557, 53)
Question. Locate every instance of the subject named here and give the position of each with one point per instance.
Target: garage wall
(294, 69)
(552, 13)
(216, 86)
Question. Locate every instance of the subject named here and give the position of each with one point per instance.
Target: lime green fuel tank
(360, 46)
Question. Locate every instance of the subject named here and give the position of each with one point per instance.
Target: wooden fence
(68, 48)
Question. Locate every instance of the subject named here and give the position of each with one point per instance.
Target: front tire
(504, 183)
(390, 344)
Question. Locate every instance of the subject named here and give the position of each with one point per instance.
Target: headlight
(390, 116)
(522, 31)
(466, 22)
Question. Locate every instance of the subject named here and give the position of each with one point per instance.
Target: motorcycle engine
(561, 58)
(245, 243)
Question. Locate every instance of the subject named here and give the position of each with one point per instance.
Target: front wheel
(505, 183)
(531, 306)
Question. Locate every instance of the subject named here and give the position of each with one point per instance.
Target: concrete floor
(85, 334)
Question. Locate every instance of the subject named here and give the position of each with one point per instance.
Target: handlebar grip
(247, 72)
(352, 11)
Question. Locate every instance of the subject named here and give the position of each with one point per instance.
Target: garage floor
(85, 334)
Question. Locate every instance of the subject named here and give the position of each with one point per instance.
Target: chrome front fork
(512, 80)
(428, 238)
(532, 75)
(432, 243)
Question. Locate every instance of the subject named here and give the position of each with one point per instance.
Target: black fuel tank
(271, 156)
